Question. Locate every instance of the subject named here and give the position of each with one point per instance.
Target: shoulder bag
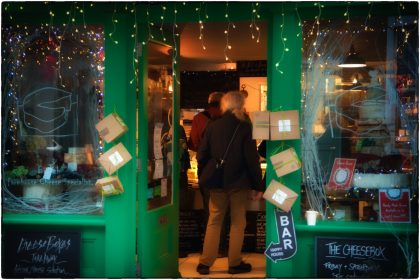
(213, 172)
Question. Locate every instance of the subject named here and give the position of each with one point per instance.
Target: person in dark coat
(242, 173)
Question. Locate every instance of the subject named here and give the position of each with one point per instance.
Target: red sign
(342, 173)
(394, 205)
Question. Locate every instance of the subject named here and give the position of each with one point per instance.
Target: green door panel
(157, 233)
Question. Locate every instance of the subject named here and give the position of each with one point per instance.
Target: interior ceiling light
(353, 60)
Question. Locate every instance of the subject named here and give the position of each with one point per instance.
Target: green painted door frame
(157, 232)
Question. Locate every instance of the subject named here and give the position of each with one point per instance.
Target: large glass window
(360, 119)
(52, 97)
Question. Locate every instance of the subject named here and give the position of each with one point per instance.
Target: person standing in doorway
(242, 173)
(199, 125)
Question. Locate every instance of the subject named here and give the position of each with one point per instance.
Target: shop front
(90, 187)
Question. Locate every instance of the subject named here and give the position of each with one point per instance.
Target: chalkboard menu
(254, 240)
(41, 255)
(191, 230)
(356, 258)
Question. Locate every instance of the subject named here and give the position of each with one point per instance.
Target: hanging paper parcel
(111, 127)
(281, 125)
(109, 186)
(114, 158)
(285, 162)
(261, 125)
(284, 125)
(280, 195)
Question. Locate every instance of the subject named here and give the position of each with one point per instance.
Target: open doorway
(220, 61)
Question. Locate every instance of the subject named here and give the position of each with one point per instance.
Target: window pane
(360, 112)
(52, 96)
(160, 103)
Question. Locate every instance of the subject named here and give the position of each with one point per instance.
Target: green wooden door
(158, 172)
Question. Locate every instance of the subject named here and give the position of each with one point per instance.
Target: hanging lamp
(353, 60)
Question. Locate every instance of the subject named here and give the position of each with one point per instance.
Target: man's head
(214, 98)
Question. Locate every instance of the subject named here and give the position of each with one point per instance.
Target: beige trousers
(219, 201)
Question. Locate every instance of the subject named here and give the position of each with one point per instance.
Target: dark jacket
(242, 167)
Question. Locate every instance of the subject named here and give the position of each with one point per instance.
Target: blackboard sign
(356, 258)
(287, 246)
(191, 230)
(41, 255)
(254, 239)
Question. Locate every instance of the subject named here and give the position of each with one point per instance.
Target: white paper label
(158, 173)
(72, 166)
(164, 187)
(115, 158)
(108, 189)
(48, 172)
(279, 196)
(157, 146)
(285, 126)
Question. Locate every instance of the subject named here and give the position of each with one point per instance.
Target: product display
(114, 158)
(109, 186)
(284, 125)
(280, 195)
(111, 127)
(285, 162)
(261, 125)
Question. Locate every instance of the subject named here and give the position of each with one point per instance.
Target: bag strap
(231, 140)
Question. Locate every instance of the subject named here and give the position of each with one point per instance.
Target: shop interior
(229, 56)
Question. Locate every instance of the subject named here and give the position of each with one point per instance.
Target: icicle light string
(347, 14)
(227, 30)
(283, 41)
(299, 20)
(83, 15)
(253, 25)
(162, 18)
(135, 36)
(61, 38)
(368, 16)
(175, 34)
(114, 25)
(201, 26)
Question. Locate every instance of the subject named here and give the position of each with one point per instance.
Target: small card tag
(108, 189)
(279, 196)
(72, 166)
(285, 126)
(48, 172)
(115, 158)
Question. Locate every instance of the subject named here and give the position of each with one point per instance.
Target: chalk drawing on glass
(49, 111)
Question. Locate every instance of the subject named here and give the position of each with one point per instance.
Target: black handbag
(213, 172)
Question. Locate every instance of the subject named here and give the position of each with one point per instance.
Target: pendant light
(353, 60)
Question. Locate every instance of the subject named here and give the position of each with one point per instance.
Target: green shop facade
(57, 85)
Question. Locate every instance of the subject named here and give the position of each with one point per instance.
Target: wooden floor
(187, 267)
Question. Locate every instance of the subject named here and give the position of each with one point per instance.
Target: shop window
(360, 119)
(52, 97)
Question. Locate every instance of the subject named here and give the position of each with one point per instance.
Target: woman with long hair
(230, 139)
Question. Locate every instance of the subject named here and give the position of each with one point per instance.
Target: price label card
(342, 174)
(48, 172)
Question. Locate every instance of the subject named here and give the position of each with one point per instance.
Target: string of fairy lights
(255, 16)
(227, 30)
(201, 24)
(19, 39)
